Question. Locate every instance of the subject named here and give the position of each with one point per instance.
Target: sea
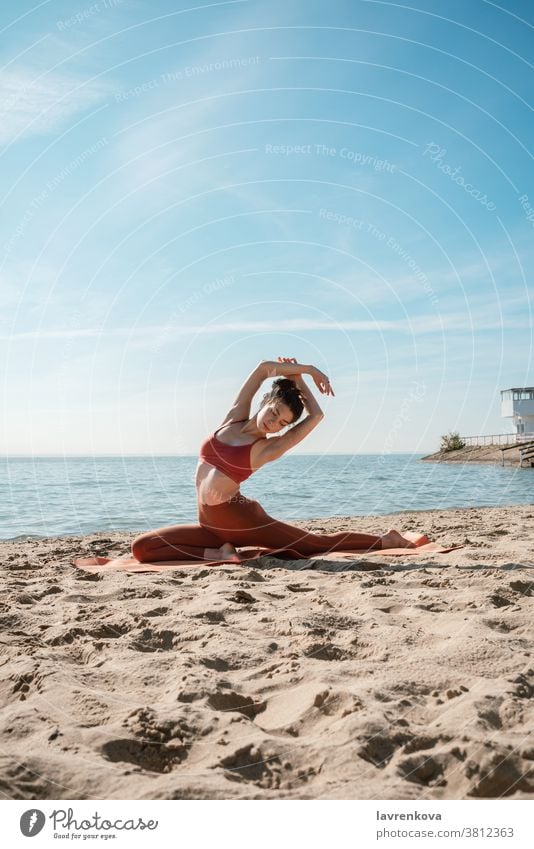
(62, 496)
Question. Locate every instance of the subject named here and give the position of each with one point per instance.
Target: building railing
(498, 439)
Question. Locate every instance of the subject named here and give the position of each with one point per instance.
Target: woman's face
(274, 417)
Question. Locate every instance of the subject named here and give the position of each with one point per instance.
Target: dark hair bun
(285, 384)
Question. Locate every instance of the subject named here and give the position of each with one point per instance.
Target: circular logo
(31, 822)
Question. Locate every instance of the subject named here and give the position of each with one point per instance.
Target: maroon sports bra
(232, 460)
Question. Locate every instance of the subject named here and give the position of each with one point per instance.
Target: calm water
(77, 495)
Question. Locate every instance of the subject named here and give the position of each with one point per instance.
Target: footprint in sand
(109, 630)
(379, 746)
(211, 616)
(255, 765)
(157, 745)
(449, 693)
(63, 636)
(426, 770)
(424, 741)
(432, 606)
(216, 663)
(377, 582)
(252, 575)
(263, 767)
(91, 712)
(523, 588)
(495, 771)
(501, 625)
(157, 611)
(151, 757)
(524, 684)
(25, 682)
(325, 651)
(232, 701)
(150, 640)
(129, 592)
(498, 599)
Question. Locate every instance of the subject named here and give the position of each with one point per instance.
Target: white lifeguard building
(518, 404)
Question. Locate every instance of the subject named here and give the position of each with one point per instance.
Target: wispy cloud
(414, 325)
(37, 103)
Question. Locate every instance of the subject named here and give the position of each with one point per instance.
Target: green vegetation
(451, 441)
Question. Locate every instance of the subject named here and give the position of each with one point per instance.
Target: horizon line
(299, 454)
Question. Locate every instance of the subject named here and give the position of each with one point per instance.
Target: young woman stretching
(231, 454)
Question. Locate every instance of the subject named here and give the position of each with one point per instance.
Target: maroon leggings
(242, 522)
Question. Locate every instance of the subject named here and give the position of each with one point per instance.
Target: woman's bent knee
(140, 549)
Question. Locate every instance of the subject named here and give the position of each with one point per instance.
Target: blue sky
(188, 189)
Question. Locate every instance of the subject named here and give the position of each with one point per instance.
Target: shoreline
(299, 522)
(381, 678)
(478, 454)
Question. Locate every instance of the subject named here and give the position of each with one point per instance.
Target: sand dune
(407, 678)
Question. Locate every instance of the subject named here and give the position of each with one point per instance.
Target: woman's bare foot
(392, 539)
(226, 552)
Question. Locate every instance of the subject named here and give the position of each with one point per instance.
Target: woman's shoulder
(229, 421)
(262, 451)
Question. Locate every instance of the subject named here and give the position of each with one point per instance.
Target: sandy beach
(377, 678)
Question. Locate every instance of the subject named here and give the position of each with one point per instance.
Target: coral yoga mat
(127, 563)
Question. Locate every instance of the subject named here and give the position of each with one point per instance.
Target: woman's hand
(321, 380)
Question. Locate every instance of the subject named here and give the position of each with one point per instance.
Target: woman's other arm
(286, 367)
(277, 446)
(308, 399)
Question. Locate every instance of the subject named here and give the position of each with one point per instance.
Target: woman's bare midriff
(213, 486)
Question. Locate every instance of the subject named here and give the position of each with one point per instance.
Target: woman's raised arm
(240, 409)
(289, 367)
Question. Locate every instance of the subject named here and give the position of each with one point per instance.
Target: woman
(231, 454)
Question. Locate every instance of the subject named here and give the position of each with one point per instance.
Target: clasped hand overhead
(321, 381)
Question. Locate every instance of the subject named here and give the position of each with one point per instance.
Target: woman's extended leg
(277, 534)
(243, 521)
(178, 542)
